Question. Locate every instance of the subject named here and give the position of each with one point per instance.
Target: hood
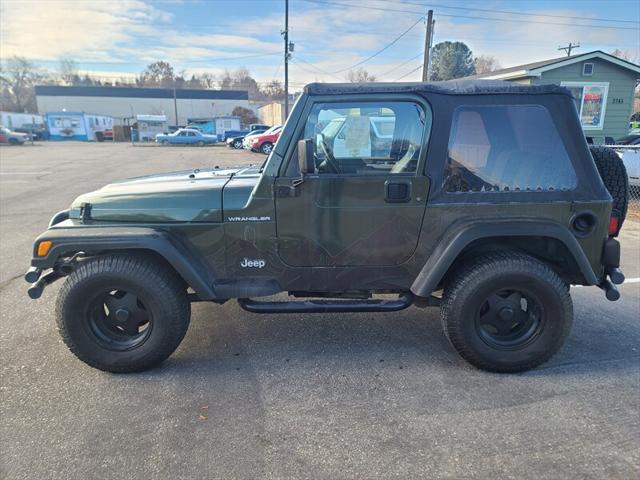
(187, 196)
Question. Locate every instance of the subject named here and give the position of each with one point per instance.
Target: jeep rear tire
(506, 312)
(614, 176)
(123, 312)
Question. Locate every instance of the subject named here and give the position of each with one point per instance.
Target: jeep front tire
(123, 312)
(506, 312)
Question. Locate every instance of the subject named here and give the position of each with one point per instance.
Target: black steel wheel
(119, 319)
(509, 319)
(506, 312)
(123, 312)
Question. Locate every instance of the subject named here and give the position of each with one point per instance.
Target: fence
(630, 155)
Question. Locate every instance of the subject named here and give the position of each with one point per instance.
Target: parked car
(108, 134)
(509, 209)
(236, 142)
(37, 131)
(241, 133)
(11, 137)
(263, 142)
(628, 149)
(186, 136)
(631, 139)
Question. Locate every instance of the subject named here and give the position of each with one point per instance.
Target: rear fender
(454, 242)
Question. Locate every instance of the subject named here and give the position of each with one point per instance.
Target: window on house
(506, 148)
(587, 69)
(591, 100)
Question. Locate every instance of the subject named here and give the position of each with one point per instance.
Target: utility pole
(427, 46)
(175, 102)
(569, 47)
(285, 32)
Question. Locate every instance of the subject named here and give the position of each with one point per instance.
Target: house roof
(135, 92)
(535, 69)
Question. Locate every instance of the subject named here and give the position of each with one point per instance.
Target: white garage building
(123, 103)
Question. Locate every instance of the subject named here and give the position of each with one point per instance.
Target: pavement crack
(6, 282)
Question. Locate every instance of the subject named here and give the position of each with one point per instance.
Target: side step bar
(327, 306)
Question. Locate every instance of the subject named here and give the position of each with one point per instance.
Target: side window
(506, 148)
(367, 138)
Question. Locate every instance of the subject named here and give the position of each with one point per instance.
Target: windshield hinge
(290, 190)
(85, 213)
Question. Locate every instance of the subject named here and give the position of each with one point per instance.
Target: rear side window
(506, 148)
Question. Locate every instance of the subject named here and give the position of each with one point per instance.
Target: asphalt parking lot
(298, 396)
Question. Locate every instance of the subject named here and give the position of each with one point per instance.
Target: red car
(265, 141)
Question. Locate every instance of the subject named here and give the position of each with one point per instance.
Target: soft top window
(367, 137)
(506, 148)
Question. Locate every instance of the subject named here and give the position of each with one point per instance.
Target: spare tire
(614, 175)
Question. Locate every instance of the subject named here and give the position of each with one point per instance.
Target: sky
(117, 38)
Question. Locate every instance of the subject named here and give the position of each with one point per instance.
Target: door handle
(397, 191)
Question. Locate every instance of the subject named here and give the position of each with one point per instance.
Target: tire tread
(474, 273)
(137, 268)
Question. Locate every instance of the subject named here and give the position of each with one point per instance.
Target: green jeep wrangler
(482, 198)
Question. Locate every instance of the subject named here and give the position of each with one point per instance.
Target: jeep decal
(248, 219)
(252, 263)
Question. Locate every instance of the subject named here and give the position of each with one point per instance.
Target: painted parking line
(25, 173)
(626, 282)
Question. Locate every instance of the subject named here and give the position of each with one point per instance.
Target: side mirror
(306, 159)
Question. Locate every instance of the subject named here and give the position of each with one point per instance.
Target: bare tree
(360, 75)
(486, 64)
(18, 78)
(627, 55)
(157, 74)
(247, 116)
(241, 79)
(273, 90)
(207, 80)
(68, 72)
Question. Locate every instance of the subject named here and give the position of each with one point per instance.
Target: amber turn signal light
(44, 247)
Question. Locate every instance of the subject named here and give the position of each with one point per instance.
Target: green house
(603, 87)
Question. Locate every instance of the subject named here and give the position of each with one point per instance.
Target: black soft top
(450, 87)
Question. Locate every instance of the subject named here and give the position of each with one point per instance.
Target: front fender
(95, 240)
(454, 242)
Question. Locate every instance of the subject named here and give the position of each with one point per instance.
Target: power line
(400, 65)
(369, 7)
(324, 72)
(388, 45)
(408, 73)
(208, 60)
(511, 12)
